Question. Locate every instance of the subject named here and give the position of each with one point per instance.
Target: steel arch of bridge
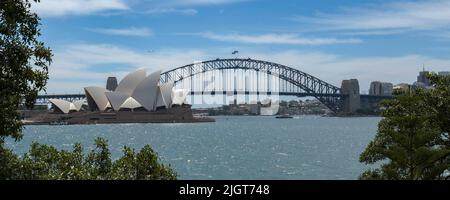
(326, 93)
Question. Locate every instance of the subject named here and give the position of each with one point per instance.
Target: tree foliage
(439, 103)
(24, 62)
(412, 140)
(45, 162)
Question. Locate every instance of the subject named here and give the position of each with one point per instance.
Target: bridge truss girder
(326, 93)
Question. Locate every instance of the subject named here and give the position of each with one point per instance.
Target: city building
(422, 79)
(444, 73)
(402, 88)
(417, 85)
(380, 88)
(423, 82)
(386, 89)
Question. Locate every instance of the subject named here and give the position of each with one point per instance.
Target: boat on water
(284, 116)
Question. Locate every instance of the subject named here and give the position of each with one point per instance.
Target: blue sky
(333, 40)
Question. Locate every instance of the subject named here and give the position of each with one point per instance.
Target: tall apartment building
(380, 88)
(422, 78)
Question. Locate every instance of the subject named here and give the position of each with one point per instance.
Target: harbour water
(233, 147)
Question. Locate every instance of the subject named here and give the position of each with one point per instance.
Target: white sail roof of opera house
(125, 88)
(179, 96)
(166, 93)
(96, 98)
(66, 106)
(116, 99)
(78, 104)
(146, 92)
(129, 83)
(130, 103)
(136, 90)
(159, 99)
(163, 98)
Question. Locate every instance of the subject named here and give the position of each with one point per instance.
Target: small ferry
(284, 116)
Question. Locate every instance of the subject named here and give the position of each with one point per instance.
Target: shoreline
(195, 120)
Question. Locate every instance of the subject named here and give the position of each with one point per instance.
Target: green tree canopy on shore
(412, 142)
(45, 162)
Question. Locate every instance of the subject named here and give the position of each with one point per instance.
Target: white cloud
(376, 32)
(172, 11)
(290, 39)
(76, 66)
(52, 8)
(56, 8)
(414, 15)
(131, 31)
(184, 3)
(179, 7)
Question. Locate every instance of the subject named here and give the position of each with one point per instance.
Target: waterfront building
(386, 89)
(293, 103)
(422, 78)
(269, 110)
(444, 73)
(417, 85)
(380, 88)
(423, 82)
(136, 91)
(402, 88)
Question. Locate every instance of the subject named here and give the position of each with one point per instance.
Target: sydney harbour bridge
(248, 77)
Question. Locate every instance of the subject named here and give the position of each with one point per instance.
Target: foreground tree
(45, 162)
(24, 62)
(439, 101)
(412, 138)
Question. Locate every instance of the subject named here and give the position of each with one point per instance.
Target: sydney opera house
(137, 98)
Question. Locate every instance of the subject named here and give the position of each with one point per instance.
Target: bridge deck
(46, 97)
